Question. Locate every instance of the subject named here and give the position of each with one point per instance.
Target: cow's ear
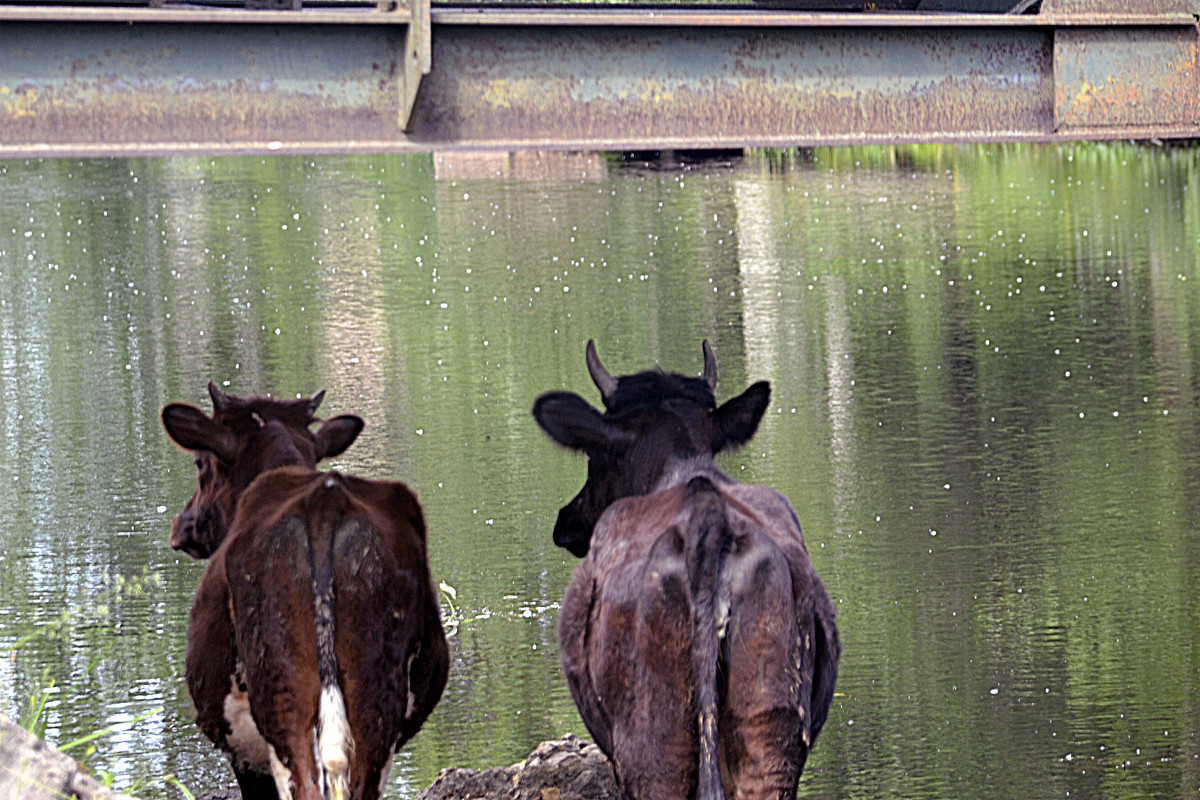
(572, 422)
(336, 434)
(735, 422)
(192, 429)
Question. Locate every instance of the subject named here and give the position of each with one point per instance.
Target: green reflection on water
(985, 412)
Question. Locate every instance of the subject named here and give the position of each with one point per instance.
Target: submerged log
(30, 769)
(566, 769)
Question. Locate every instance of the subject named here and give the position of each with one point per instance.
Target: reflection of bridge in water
(128, 78)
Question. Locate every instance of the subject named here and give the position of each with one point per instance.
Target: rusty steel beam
(655, 84)
(614, 79)
(404, 77)
(138, 80)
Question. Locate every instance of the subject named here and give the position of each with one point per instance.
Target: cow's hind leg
(762, 726)
(378, 628)
(642, 658)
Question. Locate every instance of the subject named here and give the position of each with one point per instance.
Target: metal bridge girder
(129, 80)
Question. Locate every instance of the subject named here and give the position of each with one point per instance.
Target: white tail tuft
(335, 743)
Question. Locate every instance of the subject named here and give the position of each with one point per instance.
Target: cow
(315, 646)
(698, 643)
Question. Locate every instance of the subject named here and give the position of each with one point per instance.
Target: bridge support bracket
(417, 58)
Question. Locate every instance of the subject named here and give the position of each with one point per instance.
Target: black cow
(697, 640)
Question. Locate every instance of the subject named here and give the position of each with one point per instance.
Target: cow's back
(628, 531)
(328, 582)
(626, 635)
(763, 510)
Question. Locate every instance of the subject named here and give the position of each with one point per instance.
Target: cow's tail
(333, 742)
(711, 537)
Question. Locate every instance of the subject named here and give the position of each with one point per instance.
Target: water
(986, 412)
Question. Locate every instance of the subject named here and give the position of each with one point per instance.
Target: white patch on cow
(249, 748)
(281, 774)
(335, 743)
(246, 743)
(316, 751)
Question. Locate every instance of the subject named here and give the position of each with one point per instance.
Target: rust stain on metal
(21, 102)
(1111, 78)
(751, 88)
(239, 111)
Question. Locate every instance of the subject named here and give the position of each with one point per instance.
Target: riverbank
(30, 769)
(564, 769)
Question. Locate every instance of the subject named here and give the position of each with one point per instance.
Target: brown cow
(697, 640)
(315, 643)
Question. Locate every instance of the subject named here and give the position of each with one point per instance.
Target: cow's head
(652, 422)
(242, 439)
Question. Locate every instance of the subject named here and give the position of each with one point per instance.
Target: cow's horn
(315, 403)
(605, 382)
(219, 398)
(710, 366)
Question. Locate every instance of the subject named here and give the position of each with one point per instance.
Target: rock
(33, 770)
(220, 794)
(457, 783)
(566, 769)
